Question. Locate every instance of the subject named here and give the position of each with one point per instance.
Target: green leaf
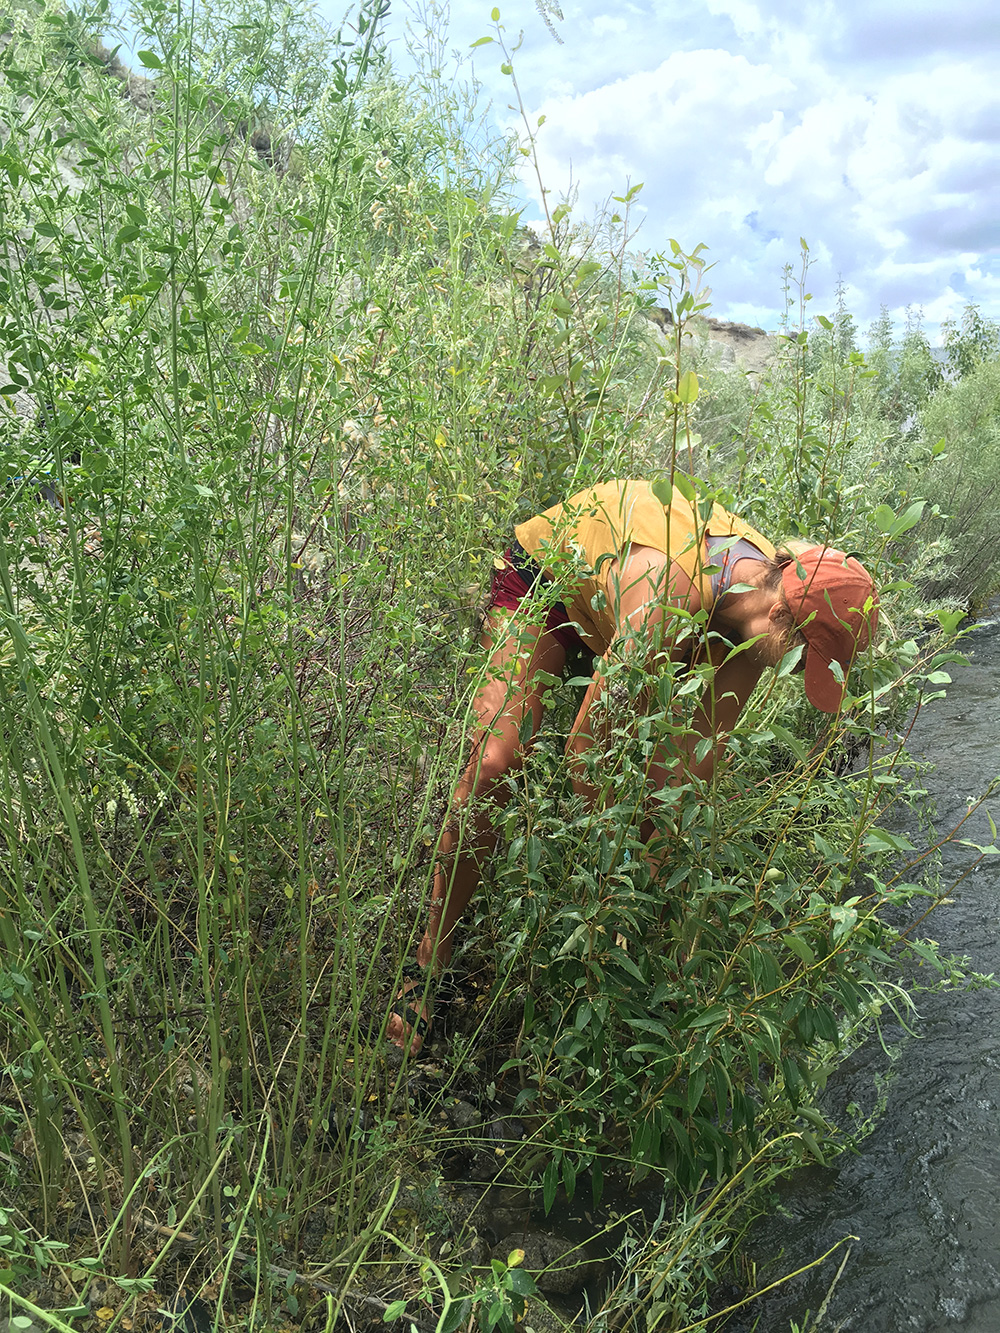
(938, 678)
(845, 919)
(568, 945)
(799, 947)
(793, 743)
(810, 1141)
(687, 389)
(550, 1183)
(534, 849)
(883, 518)
(396, 1310)
(949, 620)
(695, 1089)
(790, 661)
(702, 748)
(663, 493)
(715, 1013)
(520, 1282)
(456, 1315)
(878, 839)
(686, 486)
(495, 15)
(825, 1023)
(908, 519)
(569, 1175)
(136, 214)
(894, 525)
(481, 41)
(150, 59)
(927, 950)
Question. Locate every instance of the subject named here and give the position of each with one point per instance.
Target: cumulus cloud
(741, 153)
(872, 130)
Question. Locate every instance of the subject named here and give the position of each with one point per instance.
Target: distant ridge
(739, 345)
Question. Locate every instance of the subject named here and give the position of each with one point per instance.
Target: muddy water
(923, 1193)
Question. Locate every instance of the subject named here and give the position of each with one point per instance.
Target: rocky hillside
(730, 345)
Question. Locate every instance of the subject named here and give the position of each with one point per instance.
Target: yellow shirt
(576, 542)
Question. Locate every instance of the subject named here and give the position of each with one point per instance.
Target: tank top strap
(734, 549)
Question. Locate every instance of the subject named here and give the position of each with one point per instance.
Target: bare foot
(434, 953)
(410, 1018)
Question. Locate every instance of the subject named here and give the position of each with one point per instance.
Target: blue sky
(870, 128)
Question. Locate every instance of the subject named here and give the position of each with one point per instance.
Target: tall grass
(282, 369)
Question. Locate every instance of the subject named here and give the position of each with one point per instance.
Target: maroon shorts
(517, 580)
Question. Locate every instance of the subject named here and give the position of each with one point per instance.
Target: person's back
(581, 541)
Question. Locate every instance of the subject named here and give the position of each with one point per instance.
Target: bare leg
(509, 695)
(581, 741)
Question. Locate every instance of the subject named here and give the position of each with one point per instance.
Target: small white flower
(129, 798)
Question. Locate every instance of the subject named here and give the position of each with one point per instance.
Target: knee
(487, 770)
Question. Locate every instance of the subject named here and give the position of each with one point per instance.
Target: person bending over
(627, 556)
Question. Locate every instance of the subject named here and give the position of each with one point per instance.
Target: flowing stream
(922, 1194)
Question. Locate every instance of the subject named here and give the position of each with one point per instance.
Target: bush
(286, 369)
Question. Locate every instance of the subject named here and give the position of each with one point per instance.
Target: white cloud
(603, 24)
(745, 17)
(875, 133)
(740, 154)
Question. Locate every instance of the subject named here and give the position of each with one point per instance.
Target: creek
(921, 1193)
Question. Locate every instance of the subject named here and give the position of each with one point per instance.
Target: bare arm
(725, 697)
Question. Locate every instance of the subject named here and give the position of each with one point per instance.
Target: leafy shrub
(962, 424)
(281, 403)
